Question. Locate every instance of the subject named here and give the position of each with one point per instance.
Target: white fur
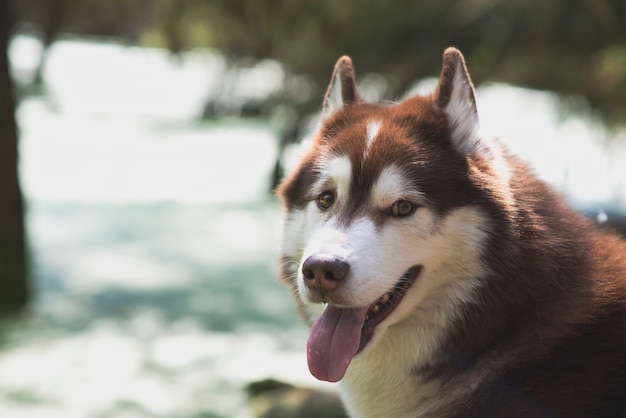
(379, 257)
(461, 110)
(377, 383)
(350, 245)
(449, 250)
(294, 236)
(392, 185)
(336, 174)
(379, 380)
(373, 128)
(334, 101)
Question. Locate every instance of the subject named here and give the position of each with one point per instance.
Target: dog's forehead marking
(373, 128)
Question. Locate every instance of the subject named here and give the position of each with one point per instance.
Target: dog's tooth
(384, 298)
(375, 308)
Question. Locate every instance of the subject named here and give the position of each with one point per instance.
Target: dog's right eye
(325, 200)
(402, 208)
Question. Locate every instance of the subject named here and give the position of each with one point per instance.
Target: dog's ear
(342, 89)
(455, 96)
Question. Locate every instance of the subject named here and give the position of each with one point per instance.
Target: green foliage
(570, 46)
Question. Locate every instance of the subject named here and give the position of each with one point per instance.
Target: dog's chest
(390, 396)
(383, 382)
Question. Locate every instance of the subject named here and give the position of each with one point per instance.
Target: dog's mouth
(341, 333)
(386, 304)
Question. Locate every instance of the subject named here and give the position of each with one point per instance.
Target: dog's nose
(324, 274)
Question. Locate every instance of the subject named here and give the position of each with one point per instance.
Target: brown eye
(402, 208)
(325, 200)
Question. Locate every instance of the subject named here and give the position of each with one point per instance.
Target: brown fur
(551, 326)
(547, 335)
(345, 71)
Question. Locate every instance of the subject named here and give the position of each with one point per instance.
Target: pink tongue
(334, 340)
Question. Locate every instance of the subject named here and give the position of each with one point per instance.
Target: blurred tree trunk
(13, 280)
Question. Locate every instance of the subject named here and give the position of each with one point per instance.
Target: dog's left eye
(402, 208)
(325, 200)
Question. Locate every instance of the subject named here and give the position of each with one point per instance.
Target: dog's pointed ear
(455, 96)
(342, 89)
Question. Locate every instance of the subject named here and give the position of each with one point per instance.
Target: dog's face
(382, 214)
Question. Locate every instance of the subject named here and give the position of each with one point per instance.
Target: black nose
(324, 274)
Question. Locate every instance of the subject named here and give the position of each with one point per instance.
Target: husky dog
(440, 276)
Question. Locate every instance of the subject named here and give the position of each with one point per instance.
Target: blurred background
(140, 141)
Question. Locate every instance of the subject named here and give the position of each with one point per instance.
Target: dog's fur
(518, 308)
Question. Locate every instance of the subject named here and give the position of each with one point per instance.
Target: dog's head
(382, 214)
